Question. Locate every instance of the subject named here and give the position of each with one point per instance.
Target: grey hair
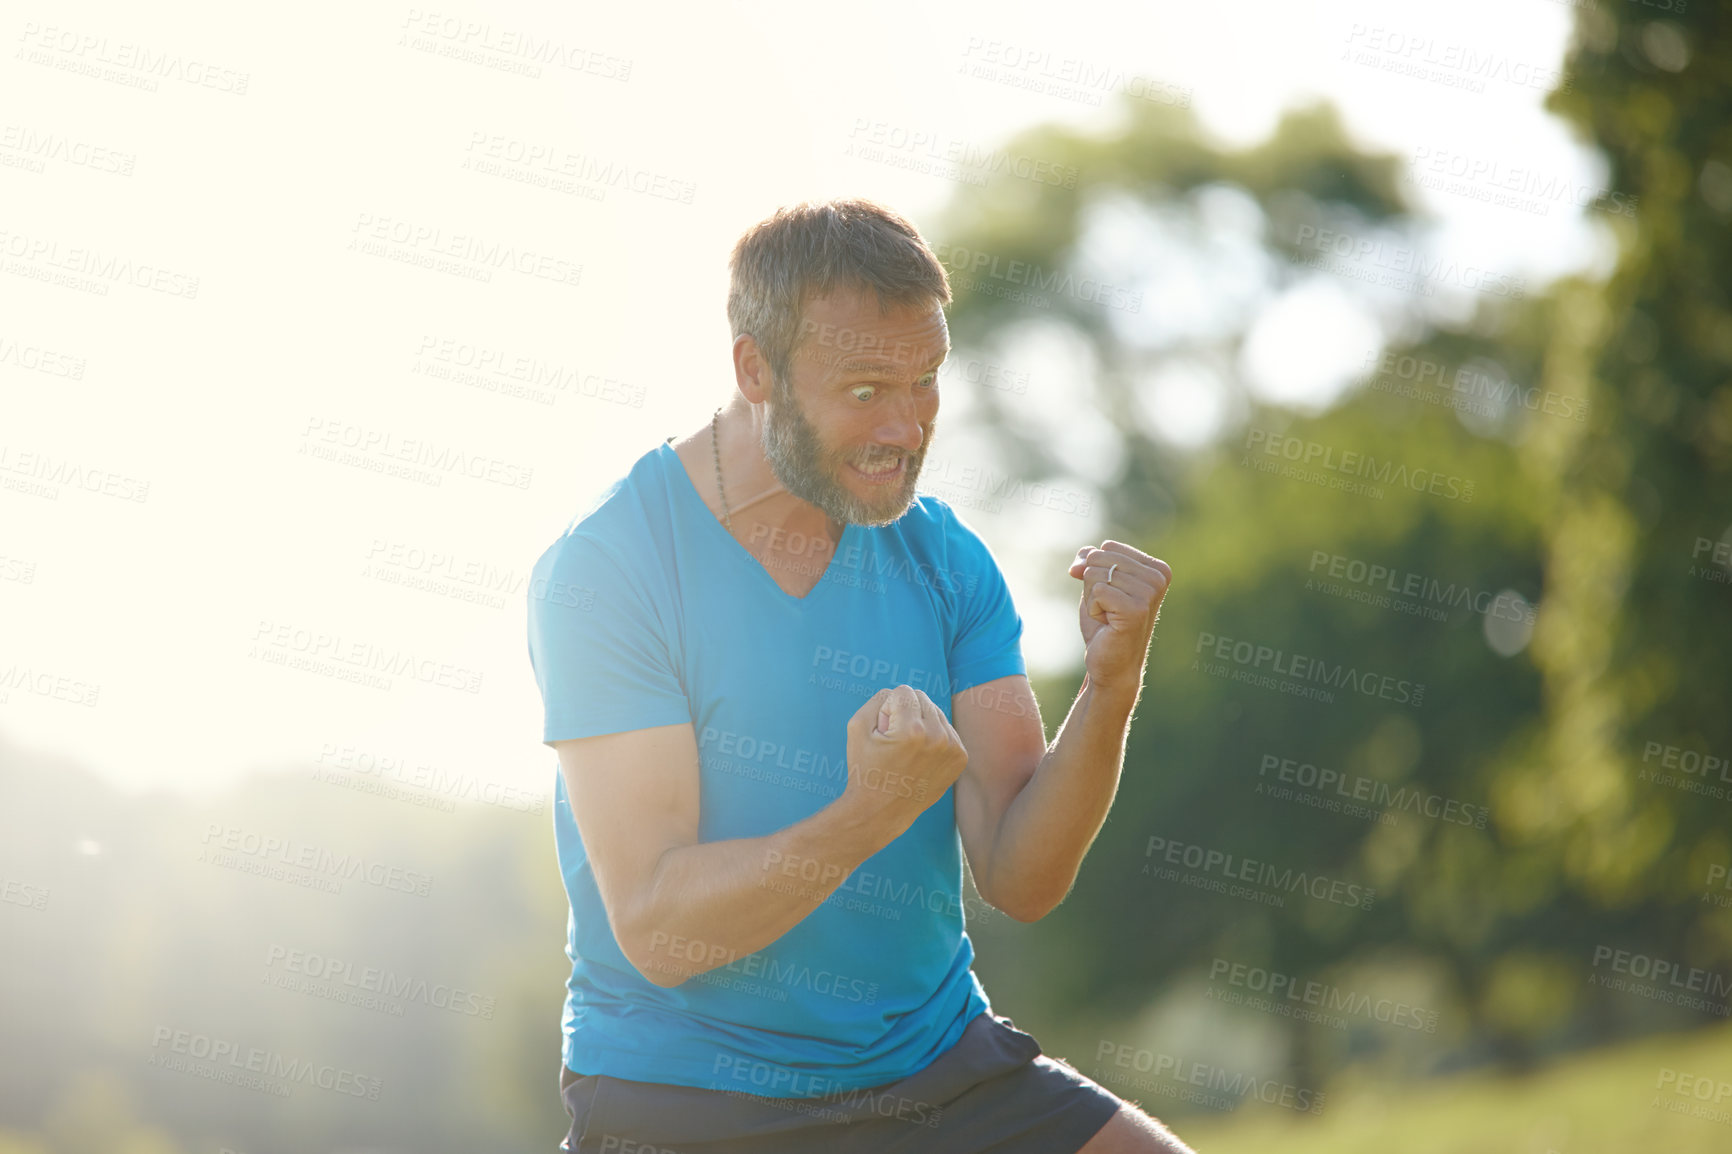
(814, 248)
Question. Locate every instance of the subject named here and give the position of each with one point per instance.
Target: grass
(1619, 1100)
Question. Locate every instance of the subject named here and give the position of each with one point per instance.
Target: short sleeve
(600, 652)
(987, 643)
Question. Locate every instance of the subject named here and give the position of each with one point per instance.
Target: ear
(752, 370)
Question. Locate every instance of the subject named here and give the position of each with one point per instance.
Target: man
(787, 696)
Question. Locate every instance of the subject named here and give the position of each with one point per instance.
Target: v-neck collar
(671, 461)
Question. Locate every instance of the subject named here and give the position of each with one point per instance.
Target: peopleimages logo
(37, 359)
(1348, 462)
(526, 49)
(387, 445)
(1281, 988)
(1353, 787)
(1662, 979)
(1526, 189)
(930, 151)
(1369, 582)
(227, 845)
(96, 56)
(1066, 77)
(1298, 666)
(1205, 861)
(208, 1052)
(725, 747)
(1233, 1086)
(54, 472)
(421, 775)
(1420, 55)
(794, 976)
(783, 1082)
(1702, 1087)
(1684, 768)
(1395, 266)
(45, 684)
(472, 255)
(1718, 875)
(23, 894)
(971, 262)
(935, 683)
(1471, 387)
(514, 373)
(338, 979)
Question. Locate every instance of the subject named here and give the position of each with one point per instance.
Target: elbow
(654, 954)
(1030, 904)
(669, 959)
(1028, 912)
(1024, 908)
(640, 931)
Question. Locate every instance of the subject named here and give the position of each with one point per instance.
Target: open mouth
(885, 473)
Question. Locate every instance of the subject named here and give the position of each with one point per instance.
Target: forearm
(713, 903)
(1048, 828)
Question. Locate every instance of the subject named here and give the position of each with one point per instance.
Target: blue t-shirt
(647, 612)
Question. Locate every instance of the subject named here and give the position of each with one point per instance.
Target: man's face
(863, 400)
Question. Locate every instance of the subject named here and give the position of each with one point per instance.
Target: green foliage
(1593, 519)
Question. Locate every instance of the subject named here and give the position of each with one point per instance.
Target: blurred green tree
(1595, 479)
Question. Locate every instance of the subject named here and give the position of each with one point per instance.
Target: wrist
(858, 824)
(1118, 696)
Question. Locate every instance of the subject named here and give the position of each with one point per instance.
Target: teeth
(881, 472)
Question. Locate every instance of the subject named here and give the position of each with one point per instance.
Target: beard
(813, 473)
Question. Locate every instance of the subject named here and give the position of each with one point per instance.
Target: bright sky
(306, 166)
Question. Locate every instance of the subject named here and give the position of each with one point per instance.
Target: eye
(866, 392)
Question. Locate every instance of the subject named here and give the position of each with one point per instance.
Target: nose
(901, 426)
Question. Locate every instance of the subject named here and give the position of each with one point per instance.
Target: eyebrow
(869, 366)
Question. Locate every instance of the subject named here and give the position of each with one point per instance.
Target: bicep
(1000, 727)
(634, 796)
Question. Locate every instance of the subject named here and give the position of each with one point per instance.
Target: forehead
(845, 332)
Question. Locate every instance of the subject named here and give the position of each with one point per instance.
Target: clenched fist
(1118, 616)
(903, 753)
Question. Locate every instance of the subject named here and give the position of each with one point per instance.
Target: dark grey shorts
(993, 1090)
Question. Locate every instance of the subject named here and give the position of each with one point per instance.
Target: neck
(764, 513)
